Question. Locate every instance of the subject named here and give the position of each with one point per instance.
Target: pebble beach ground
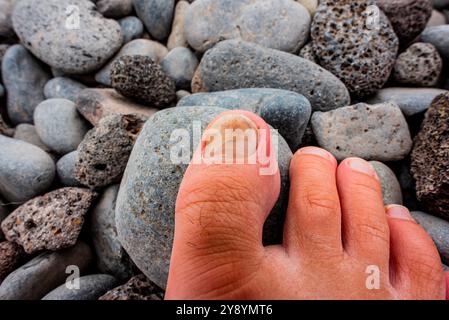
(93, 94)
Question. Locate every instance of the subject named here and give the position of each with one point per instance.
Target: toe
(364, 223)
(416, 270)
(222, 204)
(313, 222)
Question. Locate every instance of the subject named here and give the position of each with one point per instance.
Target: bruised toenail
(318, 152)
(361, 166)
(399, 212)
(232, 138)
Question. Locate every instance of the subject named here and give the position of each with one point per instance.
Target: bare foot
(339, 240)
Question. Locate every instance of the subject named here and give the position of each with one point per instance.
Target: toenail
(318, 152)
(361, 166)
(230, 138)
(399, 212)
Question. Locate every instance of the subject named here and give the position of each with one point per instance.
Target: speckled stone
(132, 28)
(411, 100)
(430, 157)
(59, 125)
(42, 274)
(114, 8)
(141, 47)
(264, 22)
(24, 80)
(307, 53)
(180, 65)
(27, 132)
(142, 79)
(419, 65)
(408, 17)
(36, 168)
(438, 229)
(285, 111)
(439, 37)
(52, 221)
(6, 8)
(157, 15)
(10, 254)
(391, 190)
(104, 152)
(360, 54)
(235, 64)
(65, 168)
(91, 288)
(372, 132)
(146, 201)
(177, 36)
(52, 35)
(95, 104)
(111, 257)
(137, 288)
(63, 88)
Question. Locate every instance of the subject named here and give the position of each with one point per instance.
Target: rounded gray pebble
(391, 190)
(114, 8)
(439, 37)
(59, 125)
(91, 287)
(27, 132)
(132, 28)
(157, 15)
(180, 65)
(65, 168)
(63, 88)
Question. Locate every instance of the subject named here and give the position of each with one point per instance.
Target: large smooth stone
(69, 35)
(157, 15)
(42, 274)
(235, 64)
(372, 132)
(35, 166)
(59, 125)
(279, 24)
(439, 37)
(411, 100)
(146, 200)
(90, 288)
(24, 80)
(286, 111)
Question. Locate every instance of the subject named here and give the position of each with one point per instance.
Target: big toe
(227, 192)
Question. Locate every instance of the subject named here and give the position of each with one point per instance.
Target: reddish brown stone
(10, 254)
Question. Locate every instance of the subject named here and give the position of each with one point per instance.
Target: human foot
(339, 240)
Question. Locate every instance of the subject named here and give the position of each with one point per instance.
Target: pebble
(137, 288)
(27, 132)
(362, 60)
(391, 189)
(411, 100)
(52, 221)
(430, 158)
(177, 36)
(139, 47)
(437, 19)
(286, 111)
(408, 17)
(63, 88)
(439, 37)
(42, 274)
(36, 167)
(59, 125)
(208, 22)
(157, 15)
(10, 256)
(371, 132)
(111, 257)
(438, 229)
(65, 168)
(132, 28)
(180, 65)
(307, 53)
(236, 64)
(24, 80)
(419, 65)
(95, 104)
(181, 94)
(142, 79)
(53, 35)
(91, 287)
(146, 200)
(6, 8)
(104, 152)
(114, 8)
